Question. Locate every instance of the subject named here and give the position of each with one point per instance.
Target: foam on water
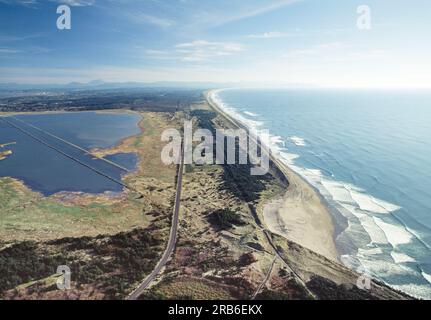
(298, 141)
(369, 203)
(415, 290)
(395, 234)
(427, 276)
(368, 252)
(400, 257)
(277, 143)
(251, 114)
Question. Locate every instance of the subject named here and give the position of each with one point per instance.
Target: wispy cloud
(254, 12)
(26, 3)
(34, 3)
(9, 50)
(202, 50)
(197, 51)
(336, 53)
(161, 55)
(271, 35)
(143, 18)
(315, 51)
(4, 38)
(76, 3)
(200, 17)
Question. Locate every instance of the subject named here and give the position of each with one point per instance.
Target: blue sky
(310, 42)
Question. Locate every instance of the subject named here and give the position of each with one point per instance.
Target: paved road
(172, 237)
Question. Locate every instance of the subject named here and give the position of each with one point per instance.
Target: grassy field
(189, 289)
(26, 215)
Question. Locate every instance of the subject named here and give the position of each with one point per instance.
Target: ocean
(369, 154)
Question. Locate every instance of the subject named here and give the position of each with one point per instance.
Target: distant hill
(100, 84)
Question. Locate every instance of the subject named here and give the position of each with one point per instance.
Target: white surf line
(298, 141)
(73, 145)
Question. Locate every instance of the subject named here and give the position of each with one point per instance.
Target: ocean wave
(396, 275)
(376, 234)
(251, 114)
(370, 252)
(277, 141)
(358, 203)
(369, 203)
(300, 142)
(396, 235)
(426, 276)
(400, 257)
(421, 291)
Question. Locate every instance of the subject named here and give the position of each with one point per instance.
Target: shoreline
(301, 214)
(12, 113)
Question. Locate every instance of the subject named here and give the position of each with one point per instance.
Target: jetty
(7, 144)
(4, 154)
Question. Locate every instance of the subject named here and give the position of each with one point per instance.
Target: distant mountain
(96, 83)
(100, 84)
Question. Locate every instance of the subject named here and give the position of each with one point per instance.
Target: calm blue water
(48, 171)
(369, 154)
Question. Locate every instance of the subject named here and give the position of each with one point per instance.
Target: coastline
(14, 113)
(301, 214)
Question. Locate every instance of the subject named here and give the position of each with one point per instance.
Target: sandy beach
(300, 215)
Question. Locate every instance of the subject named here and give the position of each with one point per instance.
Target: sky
(264, 42)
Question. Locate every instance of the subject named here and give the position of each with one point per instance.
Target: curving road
(172, 237)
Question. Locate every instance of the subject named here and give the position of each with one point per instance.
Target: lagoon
(48, 171)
